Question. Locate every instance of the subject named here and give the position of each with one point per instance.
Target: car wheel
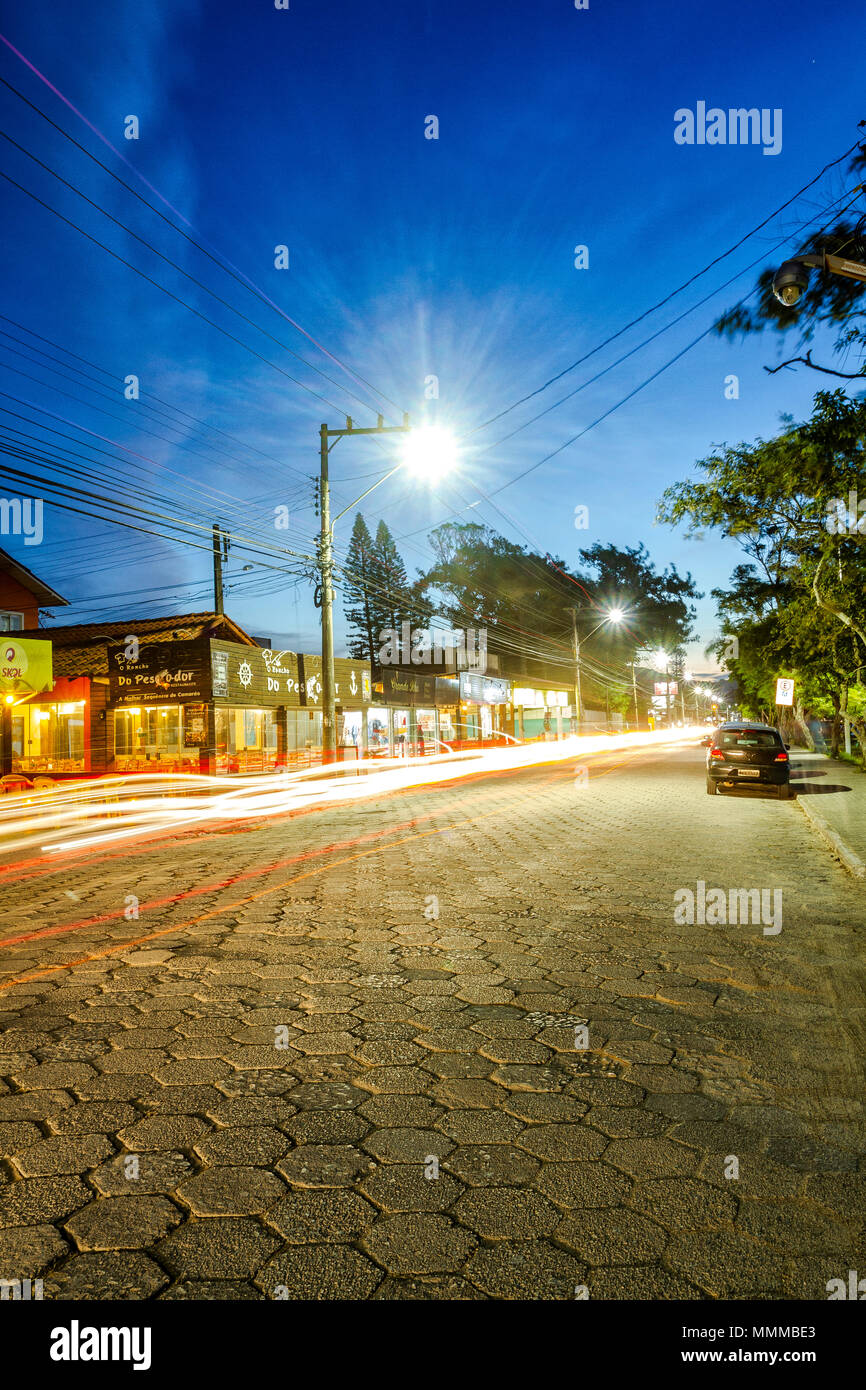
(711, 787)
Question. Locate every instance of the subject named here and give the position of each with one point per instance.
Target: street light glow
(430, 452)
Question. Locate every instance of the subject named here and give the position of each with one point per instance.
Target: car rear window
(749, 738)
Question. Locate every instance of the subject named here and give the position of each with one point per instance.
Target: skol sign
(25, 666)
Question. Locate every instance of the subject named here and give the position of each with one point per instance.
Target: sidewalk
(832, 795)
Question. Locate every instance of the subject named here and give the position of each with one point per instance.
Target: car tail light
(781, 757)
(716, 753)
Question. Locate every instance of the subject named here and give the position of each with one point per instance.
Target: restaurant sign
(484, 690)
(159, 673)
(25, 666)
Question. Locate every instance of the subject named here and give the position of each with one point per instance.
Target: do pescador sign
(162, 673)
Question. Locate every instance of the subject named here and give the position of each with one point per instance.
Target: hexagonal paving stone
(583, 1184)
(528, 1270)
(627, 1122)
(217, 1248)
(563, 1143)
(450, 1288)
(326, 1095)
(327, 1127)
(52, 1157)
(250, 1111)
(461, 1095)
(320, 1272)
(231, 1191)
(528, 1078)
(480, 1126)
(309, 1218)
(150, 1173)
(407, 1145)
(612, 1236)
(33, 1201)
(122, 1223)
(506, 1213)
(25, 1251)
(33, 1105)
(163, 1132)
(486, 1165)
(684, 1204)
(94, 1117)
(105, 1276)
(19, 1136)
(51, 1075)
(795, 1229)
(212, 1291)
(651, 1158)
(325, 1165)
(648, 1283)
(260, 1146)
(535, 1107)
(406, 1187)
(410, 1243)
(726, 1265)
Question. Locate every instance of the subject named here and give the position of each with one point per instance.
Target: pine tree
(361, 601)
(393, 601)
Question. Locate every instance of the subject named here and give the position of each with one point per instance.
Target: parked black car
(747, 755)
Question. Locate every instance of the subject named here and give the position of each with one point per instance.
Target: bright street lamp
(613, 615)
(430, 452)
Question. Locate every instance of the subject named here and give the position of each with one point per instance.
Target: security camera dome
(790, 281)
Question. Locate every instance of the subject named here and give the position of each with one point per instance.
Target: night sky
(409, 257)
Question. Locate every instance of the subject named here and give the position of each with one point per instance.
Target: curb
(852, 862)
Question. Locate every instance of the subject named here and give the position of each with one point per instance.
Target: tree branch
(807, 361)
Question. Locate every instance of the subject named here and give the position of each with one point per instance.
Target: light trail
(116, 810)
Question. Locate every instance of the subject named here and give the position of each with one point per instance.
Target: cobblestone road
(355, 1070)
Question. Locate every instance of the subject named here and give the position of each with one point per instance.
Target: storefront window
(400, 721)
(425, 731)
(151, 739)
(246, 739)
(48, 738)
(378, 742)
(350, 727)
(448, 723)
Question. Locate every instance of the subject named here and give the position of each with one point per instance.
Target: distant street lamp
(430, 452)
(614, 615)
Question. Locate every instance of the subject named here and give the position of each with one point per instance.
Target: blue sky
(408, 257)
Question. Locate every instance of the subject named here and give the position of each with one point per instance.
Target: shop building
(421, 713)
(192, 693)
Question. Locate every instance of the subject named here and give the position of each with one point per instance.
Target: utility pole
(578, 706)
(634, 691)
(326, 569)
(220, 552)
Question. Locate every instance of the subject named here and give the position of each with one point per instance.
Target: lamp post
(429, 450)
(615, 615)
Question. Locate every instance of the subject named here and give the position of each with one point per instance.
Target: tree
(830, 300)
(791, 503)
(393, 601)
(359, 592)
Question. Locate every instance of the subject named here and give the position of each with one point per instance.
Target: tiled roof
(82, 649)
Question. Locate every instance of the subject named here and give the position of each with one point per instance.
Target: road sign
(784, 692)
